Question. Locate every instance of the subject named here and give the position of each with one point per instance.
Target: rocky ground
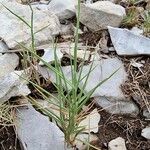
(115, 34)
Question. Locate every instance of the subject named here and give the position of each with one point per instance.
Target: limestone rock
(117, 144)
(82, 138)
(146, 133)
(8, 63)
(82, 53)
(101, 70)
(123, 40)
(12, 85)
(99, 15)
(35, 131)
(3, 47)
(63, 9)
(51, 75)
(122, 107)
(146, 113)
(14, 30)
(137, 31)
(49, 55)
(52, 106)
(91, 122)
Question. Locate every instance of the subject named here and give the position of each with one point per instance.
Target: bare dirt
(8, 139)
(113, 126)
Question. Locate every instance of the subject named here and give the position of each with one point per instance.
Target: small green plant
(132, 2)
(71, 96)
(132, 17)
(146, 22)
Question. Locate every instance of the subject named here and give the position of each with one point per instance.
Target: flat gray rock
(3, 47)
(13, 30)
(8, 82)
(91, 121)
(99, 15)
(146, 113)
(11, 85)
(146, 133)
(117, 144)
(51, 75)
(117, 107)
(128, 43)
(36, 132)
(137, 31)
(63, 9)
(102, 70)
(49, 55)
(82, 52)
(8, 63)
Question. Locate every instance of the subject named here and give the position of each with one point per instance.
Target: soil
(113, 126)
(137, 85)
(8, 139)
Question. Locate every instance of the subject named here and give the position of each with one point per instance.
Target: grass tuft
(71, 97)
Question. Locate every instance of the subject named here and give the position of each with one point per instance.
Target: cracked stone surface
(123, 40)
(14, 31)
(8, 63)
(11, 85)
(35, 131)
(99, 15)
(102, 70)
(123, 107)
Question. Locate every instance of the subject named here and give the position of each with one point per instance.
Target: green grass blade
(19, 17)
(85, 98)
(45, 110)
(41, 29)
(49, 66)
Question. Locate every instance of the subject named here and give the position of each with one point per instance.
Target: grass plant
(132, 17)
(146, 22)
(71, 95)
